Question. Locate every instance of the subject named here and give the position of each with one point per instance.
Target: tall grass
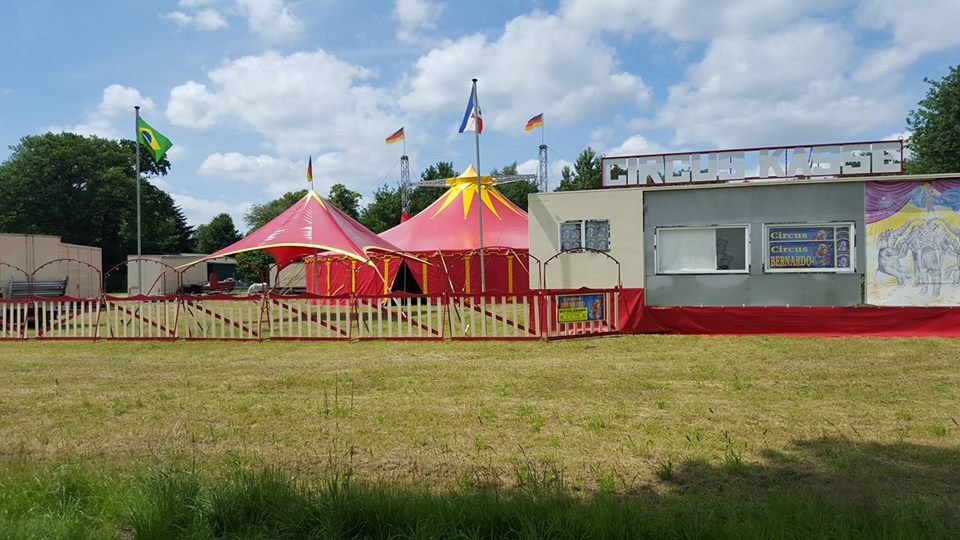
(239, 501)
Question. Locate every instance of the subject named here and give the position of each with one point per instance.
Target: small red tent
(313, 225)
(446, 238)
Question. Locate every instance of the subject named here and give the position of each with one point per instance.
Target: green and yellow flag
(155, 142)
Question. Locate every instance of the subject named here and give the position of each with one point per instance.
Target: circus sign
(818, 160)
(580, 308)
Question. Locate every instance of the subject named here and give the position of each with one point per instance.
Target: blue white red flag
(472, 120)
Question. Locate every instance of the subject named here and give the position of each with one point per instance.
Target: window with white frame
(591, 234)
(809, 247)
(703, 250)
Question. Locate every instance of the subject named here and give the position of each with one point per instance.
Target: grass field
(642, 435)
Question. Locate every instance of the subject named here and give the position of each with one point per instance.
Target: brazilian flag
(155, 142)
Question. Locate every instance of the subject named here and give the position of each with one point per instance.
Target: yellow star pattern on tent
(465, 186)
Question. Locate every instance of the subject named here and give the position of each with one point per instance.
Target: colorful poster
(913, 243)
(809, 247)
(580, 308)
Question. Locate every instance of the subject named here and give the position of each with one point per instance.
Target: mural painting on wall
(913, 243)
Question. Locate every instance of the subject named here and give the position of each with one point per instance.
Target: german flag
(396, 137)
(535, 122)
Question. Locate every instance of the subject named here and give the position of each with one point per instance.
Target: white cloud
(200, 211)
(314, 101)
(271, 19)
(783, 87)
(204, 20)
(687, 20)
(918, 28)
(540, 63)
(263, 169)
(192, 105)
(414, 15)
(196, 3)
(114, 111)
(315, 104)
(278, 175)
(634, 145)
(175, 152)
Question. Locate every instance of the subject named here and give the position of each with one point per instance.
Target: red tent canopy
(310, 226)
(446, 238)
(450, 223)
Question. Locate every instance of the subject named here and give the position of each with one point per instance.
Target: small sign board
(580, 308)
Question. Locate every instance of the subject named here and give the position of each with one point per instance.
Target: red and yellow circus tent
(445, 237)
(313, 225)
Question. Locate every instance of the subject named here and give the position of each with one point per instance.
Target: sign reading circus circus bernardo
(819, 160)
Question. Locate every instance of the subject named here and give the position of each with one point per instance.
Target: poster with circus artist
(913, 243)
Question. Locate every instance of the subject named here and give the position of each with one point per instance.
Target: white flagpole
(136, 131)
(476, 131)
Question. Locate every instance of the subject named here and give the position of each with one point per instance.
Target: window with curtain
(585, 233)
(702, 250)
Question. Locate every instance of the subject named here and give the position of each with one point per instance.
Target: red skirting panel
(811, 321)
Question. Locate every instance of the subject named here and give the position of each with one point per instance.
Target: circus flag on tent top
(310, 170)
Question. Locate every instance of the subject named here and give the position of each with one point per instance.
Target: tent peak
(470, 175)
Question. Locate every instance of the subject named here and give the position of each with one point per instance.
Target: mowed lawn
(637, 417)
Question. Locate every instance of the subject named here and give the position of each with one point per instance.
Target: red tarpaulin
(446, 238)
(310, 226)
(781, 320)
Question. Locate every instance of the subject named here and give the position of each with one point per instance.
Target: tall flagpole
(136, 131)
(476, 131)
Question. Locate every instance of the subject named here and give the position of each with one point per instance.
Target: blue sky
(247, 89)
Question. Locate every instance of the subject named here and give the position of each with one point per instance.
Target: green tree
(935, 142)
(423, 196)
(185, 233)
(585, 173)
(83, 190)
(345, 199)
(217, 234)
(260, 214)
(384, 210)
(515, 191)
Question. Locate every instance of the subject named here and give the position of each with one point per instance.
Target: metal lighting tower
(542, 169)
(405, 185)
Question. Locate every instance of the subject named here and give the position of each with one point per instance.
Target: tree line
(82, 188)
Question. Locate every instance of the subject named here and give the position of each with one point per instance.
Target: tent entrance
(405, 282)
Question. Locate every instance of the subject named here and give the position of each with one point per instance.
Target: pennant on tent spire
(396, 137)
(155, 142)
(535, 122)
(310, 170)
(472, 120)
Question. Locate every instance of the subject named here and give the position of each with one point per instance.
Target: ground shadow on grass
(831, 466)
(830, 487)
